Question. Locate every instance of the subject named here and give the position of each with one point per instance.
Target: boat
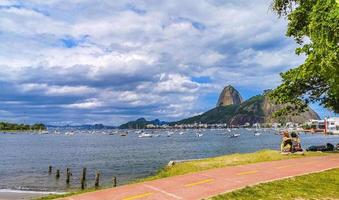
(199, 134)
(69, 133)
(41, 132)
(124, 133)
(181, 133)
(145, 135)
(257, 133)
(235, 135)
(169, 134)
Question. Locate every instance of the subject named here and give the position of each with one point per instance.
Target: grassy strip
(224, 161)
(323, 185)
(210, 163)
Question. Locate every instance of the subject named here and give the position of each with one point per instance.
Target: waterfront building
(332, 125)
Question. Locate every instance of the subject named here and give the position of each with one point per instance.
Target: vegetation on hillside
(314, 24)
(141, 123)
(253, 106)
(220, 114)
(323, 185)
(4, 126)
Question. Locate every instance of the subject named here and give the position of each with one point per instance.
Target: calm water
(24, 159)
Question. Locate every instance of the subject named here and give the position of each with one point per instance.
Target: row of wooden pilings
(82, 178)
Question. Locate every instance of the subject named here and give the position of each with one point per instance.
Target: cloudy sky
(104, 61)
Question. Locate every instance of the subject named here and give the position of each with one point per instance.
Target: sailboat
(257, 128)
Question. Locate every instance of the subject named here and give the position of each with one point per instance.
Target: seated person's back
(296, 146)
(286, 144)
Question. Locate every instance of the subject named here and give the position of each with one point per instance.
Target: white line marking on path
(162, 191)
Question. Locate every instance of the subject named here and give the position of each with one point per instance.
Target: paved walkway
(215, 181)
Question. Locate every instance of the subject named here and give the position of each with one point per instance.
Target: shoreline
(209, 163)
(8, 194)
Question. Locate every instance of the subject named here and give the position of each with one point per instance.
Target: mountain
(229, 96)
(257, 109)
(84, 126)
(141, 123)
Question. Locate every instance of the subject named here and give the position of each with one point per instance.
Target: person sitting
(286, 144)
(296, 145)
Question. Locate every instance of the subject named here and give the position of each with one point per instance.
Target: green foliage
(20, 127)
(314, 24)
(253, 106)
(322, 185)
(139, 123)
(220, 114)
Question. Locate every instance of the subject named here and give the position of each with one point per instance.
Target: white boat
(257, 133)
(41, 132)
(125, 133)
(69, 133)
(145, 135)
(229, 130)
(199, 134)
(235, 135)
(169, 134)
(181, 133)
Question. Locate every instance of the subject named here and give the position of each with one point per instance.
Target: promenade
(212, 182)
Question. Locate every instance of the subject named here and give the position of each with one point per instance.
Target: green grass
(209, 163)
(223, 161)
(323, 185)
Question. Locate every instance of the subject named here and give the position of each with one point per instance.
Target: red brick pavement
(211, 182)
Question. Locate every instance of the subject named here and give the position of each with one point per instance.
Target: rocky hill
(258, 109)
(229, 96)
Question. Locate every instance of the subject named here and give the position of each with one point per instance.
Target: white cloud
(88, 104)
(55, 90)
(142, 55)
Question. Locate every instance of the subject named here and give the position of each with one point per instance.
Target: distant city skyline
(86, 62)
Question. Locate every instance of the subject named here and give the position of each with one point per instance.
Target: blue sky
(91, 61)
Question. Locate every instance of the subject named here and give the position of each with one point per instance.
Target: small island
(9, 127)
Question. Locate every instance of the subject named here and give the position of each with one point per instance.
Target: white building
(332, 125)
(316, 124)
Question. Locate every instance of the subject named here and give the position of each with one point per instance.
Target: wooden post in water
(82, 182)
(84, 173)
(68, 175)
(83, 178)
(50, 169)
(57, 175)
(114, 181)
(97, 178)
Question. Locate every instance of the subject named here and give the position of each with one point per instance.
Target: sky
(103, 61)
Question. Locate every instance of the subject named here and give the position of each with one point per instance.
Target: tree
(314, 25)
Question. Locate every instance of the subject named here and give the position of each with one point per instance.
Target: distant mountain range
(141, 123)
(231, 109)
(85, 126)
